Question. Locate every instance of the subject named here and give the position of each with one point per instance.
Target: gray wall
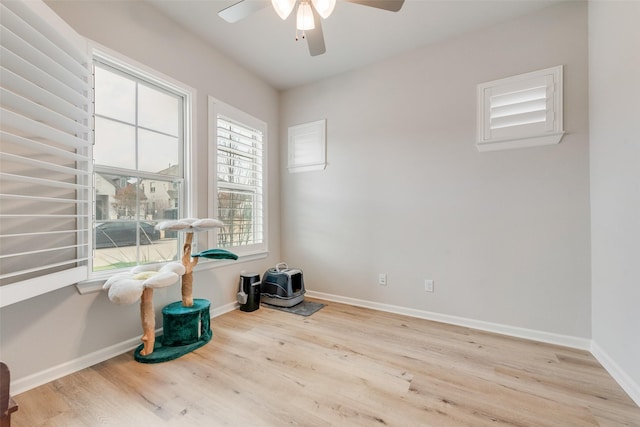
(62, 326)
(505, 235)
(614, 67)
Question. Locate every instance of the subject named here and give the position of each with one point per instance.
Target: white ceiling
(354, 35)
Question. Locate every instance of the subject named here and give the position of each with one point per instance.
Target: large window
(140, 169)
(237, 148)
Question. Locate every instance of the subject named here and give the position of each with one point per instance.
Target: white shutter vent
(520, 111)
(307, 146)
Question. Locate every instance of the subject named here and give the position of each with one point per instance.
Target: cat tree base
(185, 329)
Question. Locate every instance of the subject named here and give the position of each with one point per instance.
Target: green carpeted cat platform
(184, 330)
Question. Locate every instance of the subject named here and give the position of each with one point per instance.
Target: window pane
(158, 153)
(237, 209)
(118, 197)
(126, 215)
(161, 202)
(115, 144)
(158, 110)
(161, 199)
(115, 96)
(116, 245)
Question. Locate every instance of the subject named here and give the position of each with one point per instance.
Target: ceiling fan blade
(390, 5)
(315, 37)
(242, 9)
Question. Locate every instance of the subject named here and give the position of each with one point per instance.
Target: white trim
(39, 378)
(514, 331)
(26, 289)
(223, 309)
(520, 143)
(631, 387)
(627, 383)
(121, 61)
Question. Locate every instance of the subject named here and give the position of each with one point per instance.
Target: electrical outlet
(382, 279)
(428, 285)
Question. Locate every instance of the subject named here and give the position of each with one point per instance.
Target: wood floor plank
(342, 366)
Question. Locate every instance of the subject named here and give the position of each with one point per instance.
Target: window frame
(216, 107)
(133, 69)
(307, 149)
(521, 135)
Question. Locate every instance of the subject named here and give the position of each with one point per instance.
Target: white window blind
(521, 111)
(45, 178)
(307, 146)
(239, 183)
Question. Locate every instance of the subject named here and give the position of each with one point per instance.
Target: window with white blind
(521, 111)
(307, 146)
(237, 147)
(45, 156)
(141, 140)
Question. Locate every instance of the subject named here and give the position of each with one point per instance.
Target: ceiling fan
(307, 18)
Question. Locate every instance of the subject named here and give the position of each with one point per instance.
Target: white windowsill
(507, 144)
(95, 284)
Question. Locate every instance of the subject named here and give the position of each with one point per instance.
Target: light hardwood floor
(342, 366)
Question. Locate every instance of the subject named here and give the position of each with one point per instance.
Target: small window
(307, 147)
(520, 111)
(237, 150)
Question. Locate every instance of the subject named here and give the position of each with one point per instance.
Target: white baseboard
(631, 387)
(27, 383)
(219, 311)
(514, 331)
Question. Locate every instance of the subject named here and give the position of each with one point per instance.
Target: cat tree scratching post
(189, 264)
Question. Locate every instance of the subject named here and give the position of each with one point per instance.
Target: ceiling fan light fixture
(283, 7)
(304, 17)
(324, 7)
(307, 19)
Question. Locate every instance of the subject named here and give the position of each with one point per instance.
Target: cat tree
(186, 323)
